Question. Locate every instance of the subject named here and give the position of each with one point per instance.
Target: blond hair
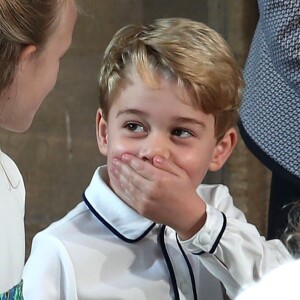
(23, 23)
(185, 51)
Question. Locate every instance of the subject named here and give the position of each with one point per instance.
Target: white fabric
(12, 237)
(280, 284)
(242, 255)
(80, 258)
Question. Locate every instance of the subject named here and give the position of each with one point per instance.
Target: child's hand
(160, 191)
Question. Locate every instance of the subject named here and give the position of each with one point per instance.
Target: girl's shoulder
(10, 175)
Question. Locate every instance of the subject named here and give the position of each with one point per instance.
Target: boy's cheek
(120, 149)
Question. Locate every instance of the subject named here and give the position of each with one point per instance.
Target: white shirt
(231, 248)
(280, 284)
(104, 250)
(12, 237)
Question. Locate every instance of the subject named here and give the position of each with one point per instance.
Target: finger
(168, 166)
(131, 191)
(119, 190)
(121, 186)
(127, 177)
(143, 168)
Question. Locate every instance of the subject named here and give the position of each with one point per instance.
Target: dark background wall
(58, 155)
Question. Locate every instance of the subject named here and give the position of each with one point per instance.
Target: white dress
(12, 236)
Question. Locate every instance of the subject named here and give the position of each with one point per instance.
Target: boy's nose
(155, 146)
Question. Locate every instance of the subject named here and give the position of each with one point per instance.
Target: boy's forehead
(155, 82)
(138, 92)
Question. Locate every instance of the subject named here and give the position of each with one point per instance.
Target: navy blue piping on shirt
(190, 270)
(112, 229)
(168, 261)
(216, 243)
(162, 244)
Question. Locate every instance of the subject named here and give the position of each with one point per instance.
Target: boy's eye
(181, 133)
(135, 127)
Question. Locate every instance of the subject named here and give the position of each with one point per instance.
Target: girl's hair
(187, 52)
(23, 23)
(291, 235)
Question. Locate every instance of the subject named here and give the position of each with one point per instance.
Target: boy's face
(148, 122)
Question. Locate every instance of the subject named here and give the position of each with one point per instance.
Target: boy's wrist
(196, 225)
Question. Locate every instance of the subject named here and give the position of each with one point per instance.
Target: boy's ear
(101, 132)
(223, 150)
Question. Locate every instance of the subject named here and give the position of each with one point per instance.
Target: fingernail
(125, 157)
(158, 160)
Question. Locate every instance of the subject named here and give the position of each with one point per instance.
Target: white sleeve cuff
(209, 236)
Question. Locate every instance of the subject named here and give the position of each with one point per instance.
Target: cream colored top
(12, 236)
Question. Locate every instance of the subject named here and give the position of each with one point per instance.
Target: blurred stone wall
(58, 155)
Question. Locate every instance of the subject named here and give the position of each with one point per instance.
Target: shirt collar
(115, 214)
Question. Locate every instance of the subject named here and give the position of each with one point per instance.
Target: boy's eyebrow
(131, 111)
(190, 120)
(177, 119)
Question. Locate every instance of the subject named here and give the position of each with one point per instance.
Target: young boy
(169, 95)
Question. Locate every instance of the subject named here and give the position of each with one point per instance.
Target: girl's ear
(223, 150)
(26, 56)
(101, 132)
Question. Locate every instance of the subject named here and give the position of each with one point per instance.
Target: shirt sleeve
(48, 273)
(229, 247)
(282, 283)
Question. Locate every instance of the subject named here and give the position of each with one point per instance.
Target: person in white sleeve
(169, 96)
(34, 35)
(282, 283)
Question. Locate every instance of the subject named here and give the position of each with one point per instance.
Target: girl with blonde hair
(34, 35)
